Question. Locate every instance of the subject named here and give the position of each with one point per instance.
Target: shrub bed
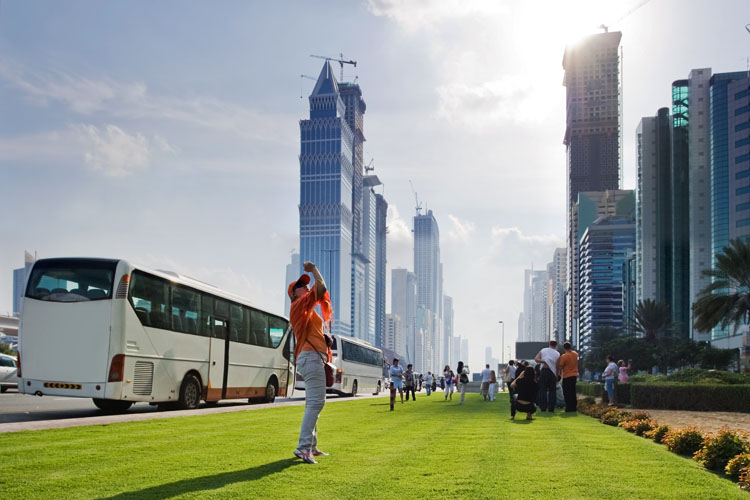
(699, 397)
(684, 441)
(614, 417)
(639, 427)
(719, 449)
(734, 466)
(657, 433)
(744, 482)
(622, 393)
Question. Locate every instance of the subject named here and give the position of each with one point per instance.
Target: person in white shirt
(486, 375)
(428, 382)
(547, 358)
(610, 372)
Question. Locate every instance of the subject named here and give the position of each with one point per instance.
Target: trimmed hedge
(590, 389)
(698, 397)
(622, 391)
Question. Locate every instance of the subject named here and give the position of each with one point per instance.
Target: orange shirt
(568, 363)
(307, 324)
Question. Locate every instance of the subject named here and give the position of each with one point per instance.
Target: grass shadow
(206, 483)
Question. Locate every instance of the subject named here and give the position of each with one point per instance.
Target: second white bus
(359, 368)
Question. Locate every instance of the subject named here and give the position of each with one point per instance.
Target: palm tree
(727, 299)
(651, 319)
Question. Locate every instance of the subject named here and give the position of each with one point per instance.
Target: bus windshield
(71, 280)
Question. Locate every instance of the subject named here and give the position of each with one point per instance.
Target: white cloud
(132, 100)
(461, 230)
(112, 151)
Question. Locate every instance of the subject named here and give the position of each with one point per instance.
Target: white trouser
(310, 367)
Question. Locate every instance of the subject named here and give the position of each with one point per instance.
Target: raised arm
(320, 284)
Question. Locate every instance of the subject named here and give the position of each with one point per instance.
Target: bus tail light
(116, 368)
(338, 376)
(122, 288)
(18, 365)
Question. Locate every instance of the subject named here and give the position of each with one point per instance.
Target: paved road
(19, 412)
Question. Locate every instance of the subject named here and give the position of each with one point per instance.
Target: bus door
(219, 352)
(291, 370)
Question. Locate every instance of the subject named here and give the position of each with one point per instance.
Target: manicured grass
(424, 449)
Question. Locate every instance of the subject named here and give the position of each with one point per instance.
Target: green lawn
(424, 449)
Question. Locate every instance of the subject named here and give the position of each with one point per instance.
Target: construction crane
(625, 14)
(300, 83)
(416, 199)
(341, 62)
(368, 167)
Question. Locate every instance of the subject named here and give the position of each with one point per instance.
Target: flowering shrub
(638, 426)
(734, 466)
(639, 415)
(718, 450)
(745, 479)
(614, 417)
(657, 433)
(595, 410)
(684, 441)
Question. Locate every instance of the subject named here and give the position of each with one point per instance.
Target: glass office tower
(325, 208)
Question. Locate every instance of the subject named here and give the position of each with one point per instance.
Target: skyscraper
(653, 213)
(606, 246)
(730, 177)
(325, 208)
(19, 282)
(293, 270)
(535, 306)
(557, 274)
(369, 251)
(404, 305)
(592, 134)
(447, 331)
(380, 266)
(427, 269)
(362, 256)
(590, 206)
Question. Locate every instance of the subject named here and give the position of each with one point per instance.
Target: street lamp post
(502, 344)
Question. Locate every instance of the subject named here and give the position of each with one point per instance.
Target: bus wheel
(190, 393)
(270, 396)
(354, 389)
(377, 391)
(112, 405)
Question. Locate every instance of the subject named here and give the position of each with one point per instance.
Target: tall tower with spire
(326, 194)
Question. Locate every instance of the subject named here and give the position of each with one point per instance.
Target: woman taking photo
(524, 389)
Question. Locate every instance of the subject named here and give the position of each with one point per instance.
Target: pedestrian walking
(311, 352)
(567, 369)
(485, 388)
(525, 389)
(609, 374)
(509, 375)
(547, 358)
(409, 382)
(448, 380)
(397, 381)
(463, 382)
(493, 385)
(428, 381)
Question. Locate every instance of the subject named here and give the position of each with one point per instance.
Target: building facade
(293, 271)
(325, 209)
(381, 230)
(592, 136)
(428, 270)
(404, 305)
(604, 251)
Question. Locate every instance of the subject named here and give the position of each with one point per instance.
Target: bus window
(239, 324)
(221, 314)
(207, 312)
(185, 307)
(71, 280)
(259, 329)
(149, 296)
(277, 327)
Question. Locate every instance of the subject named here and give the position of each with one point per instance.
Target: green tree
(727, 299)
(594, 359)
(638, 350)
(651, 319)
(5, 349)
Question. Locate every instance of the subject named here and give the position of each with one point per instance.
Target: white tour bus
(118, 333)
(359, 367)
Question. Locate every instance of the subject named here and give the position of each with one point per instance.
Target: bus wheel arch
(272, 390)
(191, 390)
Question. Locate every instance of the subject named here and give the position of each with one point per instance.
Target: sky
(167, 132)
